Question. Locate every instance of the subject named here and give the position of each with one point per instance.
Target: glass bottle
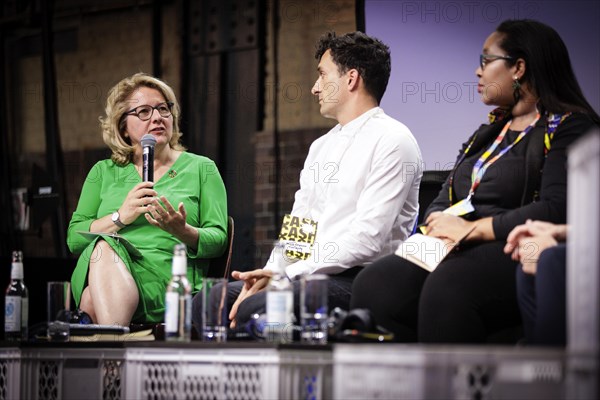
(16, 302)
(178, 304)
(280, 301)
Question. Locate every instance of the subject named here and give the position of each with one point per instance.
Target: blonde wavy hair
(113, 124)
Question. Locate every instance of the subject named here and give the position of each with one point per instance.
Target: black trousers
(339, 287)
(542, 299)
(470, 295)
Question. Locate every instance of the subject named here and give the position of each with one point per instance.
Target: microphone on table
(148, 142)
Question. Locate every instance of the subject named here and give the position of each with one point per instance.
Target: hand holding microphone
(148, 142)
(136, 202)
(142, 194)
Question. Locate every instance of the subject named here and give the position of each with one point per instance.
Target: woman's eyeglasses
(485, 59)
(145, 112)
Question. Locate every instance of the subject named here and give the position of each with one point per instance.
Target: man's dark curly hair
(369, 56)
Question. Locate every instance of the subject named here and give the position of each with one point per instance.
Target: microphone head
(148, 140)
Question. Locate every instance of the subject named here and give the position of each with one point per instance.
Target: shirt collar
(354, 126)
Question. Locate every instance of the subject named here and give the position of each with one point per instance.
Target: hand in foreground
(254, 281)
(529, 229)
(448, 227)
(165, 217)
(529, 251)
(136, 201)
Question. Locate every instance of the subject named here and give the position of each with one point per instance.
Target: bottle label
(171, 312)
(179, 266)
(188, 313)
(24, 312)
(16, 270)
(12, 314)
(280, 308)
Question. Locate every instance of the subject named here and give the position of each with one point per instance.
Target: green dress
(193, 180)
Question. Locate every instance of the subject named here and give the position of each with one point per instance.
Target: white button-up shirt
(360, 182)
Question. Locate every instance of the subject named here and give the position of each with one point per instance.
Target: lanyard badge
(298, 236)
(464, 206)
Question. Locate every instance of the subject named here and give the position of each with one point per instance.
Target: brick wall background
(299, 120)
(293, 146)
(108, 42)
(94, 50)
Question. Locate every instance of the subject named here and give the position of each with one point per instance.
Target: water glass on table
(59, 306)
(314, 308)
(215, 319)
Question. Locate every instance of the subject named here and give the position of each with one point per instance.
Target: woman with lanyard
(510, 170)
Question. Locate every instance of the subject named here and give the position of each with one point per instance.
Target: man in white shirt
(359, 183)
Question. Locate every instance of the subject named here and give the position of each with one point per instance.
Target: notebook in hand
(427, 251)
(131, 249)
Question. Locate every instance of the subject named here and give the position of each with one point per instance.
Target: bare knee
(112, 290)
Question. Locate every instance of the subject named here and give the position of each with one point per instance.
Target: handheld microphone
(148, 142)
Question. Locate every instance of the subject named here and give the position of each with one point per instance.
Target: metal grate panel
(111, 388)
(473, 381)
(3, 379)
(243, 381)
(160, 380)
(49, 380)
(202, 387)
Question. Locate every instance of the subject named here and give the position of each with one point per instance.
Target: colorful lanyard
(554, 120)
(460, 160)
(481, 165)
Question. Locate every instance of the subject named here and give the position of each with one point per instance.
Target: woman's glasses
(485, 59)
(145, 112)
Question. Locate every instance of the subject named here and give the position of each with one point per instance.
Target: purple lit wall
(435, 50)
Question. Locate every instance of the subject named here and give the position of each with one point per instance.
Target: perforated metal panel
(49, 380)
(71, 373)
(472, 381)
(171, 380)
(10, 377)
(243, 381)
(166, 373)
(111, 382)
(160, 380)
(3, 379)
(202, 387)
(227, 373)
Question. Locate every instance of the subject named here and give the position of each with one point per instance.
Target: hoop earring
(516, 86)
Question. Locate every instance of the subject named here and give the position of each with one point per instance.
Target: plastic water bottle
(178, 304)
(280, 303)
(16, 302)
